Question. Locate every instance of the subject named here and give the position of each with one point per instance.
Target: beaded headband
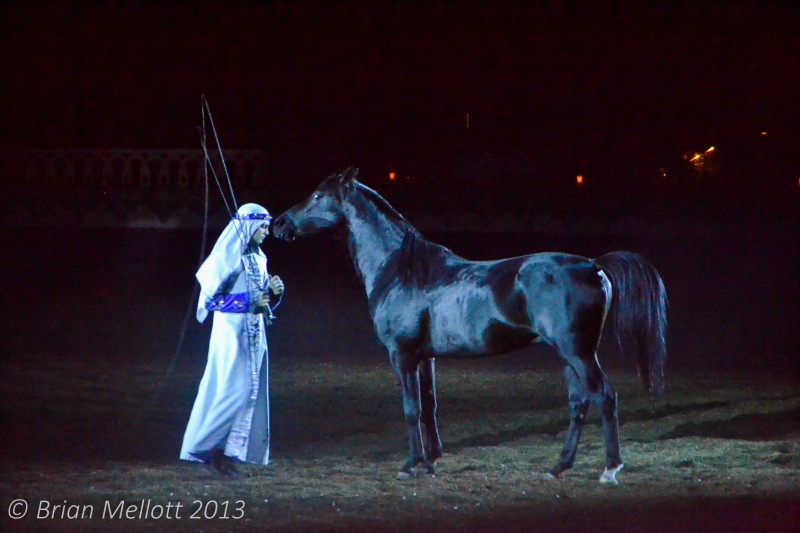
(254, 216)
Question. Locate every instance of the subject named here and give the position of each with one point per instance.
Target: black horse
(427, 302)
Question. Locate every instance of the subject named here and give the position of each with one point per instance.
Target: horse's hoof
(609, 476)
(403, 475)
(549, 476)
(417, 471)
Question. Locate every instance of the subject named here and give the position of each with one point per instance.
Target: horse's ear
(347, 177)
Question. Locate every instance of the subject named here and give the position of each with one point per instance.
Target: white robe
(231, 411)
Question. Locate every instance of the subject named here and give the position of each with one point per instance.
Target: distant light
(466, 121)
(579, 179)
(695, 158)
(663, 172)
(710, 150)
(391, 176)
(764, 133)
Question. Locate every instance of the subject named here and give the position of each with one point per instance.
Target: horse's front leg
(427, 383)
(406, 369)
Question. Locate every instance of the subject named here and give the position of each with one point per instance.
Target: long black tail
(639, 314)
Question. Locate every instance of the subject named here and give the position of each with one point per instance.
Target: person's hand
(262, 300)
(276, 285)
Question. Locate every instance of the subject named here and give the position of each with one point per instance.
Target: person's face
(261, 233)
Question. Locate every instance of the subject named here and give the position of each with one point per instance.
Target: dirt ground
(724, 457)
(95, 397)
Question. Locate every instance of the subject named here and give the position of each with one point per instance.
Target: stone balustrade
(125, 167)
(164, 188)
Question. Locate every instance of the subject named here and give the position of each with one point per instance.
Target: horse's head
(322, 210)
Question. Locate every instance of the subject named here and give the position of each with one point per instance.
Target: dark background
(119, 298)
(579, 88)
(617, 93)
(624, 95)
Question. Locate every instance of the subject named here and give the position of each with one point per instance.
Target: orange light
(391, 176)
(695, 158)
(710, 150)
(763, 133)
(579, 179)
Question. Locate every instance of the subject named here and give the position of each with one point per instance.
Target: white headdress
(227, 252)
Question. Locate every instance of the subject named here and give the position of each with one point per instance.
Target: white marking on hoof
(548, 476)
(415, 473)
(422, 471)
(610, 476)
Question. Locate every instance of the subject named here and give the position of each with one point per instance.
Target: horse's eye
(317, 196)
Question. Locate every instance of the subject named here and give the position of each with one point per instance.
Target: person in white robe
(229, 422)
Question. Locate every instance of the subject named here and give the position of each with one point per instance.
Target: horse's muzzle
(283, 228)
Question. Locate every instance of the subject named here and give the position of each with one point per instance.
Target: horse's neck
(374, 236)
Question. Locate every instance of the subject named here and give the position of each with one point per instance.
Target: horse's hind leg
(586, 382)
(427, 386)
(578, 407)
(607, 402)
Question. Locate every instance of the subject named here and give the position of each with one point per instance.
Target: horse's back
(491, 307)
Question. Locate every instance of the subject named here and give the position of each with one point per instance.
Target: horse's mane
(422, 262)
(418, 262)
